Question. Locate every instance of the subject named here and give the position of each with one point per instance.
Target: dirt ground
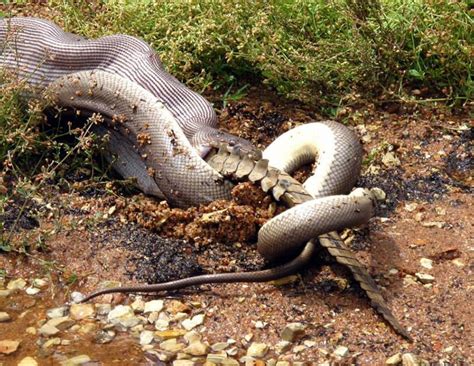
(420, 157)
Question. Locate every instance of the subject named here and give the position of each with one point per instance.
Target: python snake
(161, 131)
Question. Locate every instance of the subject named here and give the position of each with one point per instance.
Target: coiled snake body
(161, 131)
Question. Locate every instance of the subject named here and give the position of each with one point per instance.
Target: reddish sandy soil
(99, 233)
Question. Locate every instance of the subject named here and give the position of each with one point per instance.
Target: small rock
(341, 351)
(257, 350)
(409, 280)
(18, 284)
(309, 343)
(299, 348)
(146, 337)
(56, 312)
(196, 320)
(216, 358)
(87, 328)
(232, 362)
(457, 262)
(5, 293)
(449, 349)
(176, 306)
(426, 263)
(81, 311)
(31, 330)
(232, 351)
(394, 360)
(424, 278)
(196, 349)
(379, 194)
(410, 359)
(390, 160)
(392, 271)
(48, 330)
(138, 305)
(77, 297)
(438, 224)
(8, 346)
(28, 361)
(32, 290)
(192, 336)
(283, 281)
(40, 282)
(154, 305)
(184, 363)
(219, 346)
(61, 323)
(260, 325)
(103, 336)
(292, 330)
(410, 207)
(170, 333)
(282, 346)
(103, 309)
(283, 363)
(51, 342)
(171, 345)
(4, 317)
(123, 316)
(78, 360)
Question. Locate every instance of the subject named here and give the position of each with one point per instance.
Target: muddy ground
(421, 158)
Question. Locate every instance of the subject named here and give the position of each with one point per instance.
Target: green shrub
(316, 51)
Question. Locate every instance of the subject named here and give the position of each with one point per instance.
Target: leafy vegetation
(320, 52)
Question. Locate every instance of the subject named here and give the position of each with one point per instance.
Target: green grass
(326, 53)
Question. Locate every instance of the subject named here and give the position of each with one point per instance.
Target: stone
(176, 306)
(282, 346)
(196, 320)
(103, 309)
(153, 305)
(104, 336)
(257, 350)
(390, 160)
(394, 360)
(379, 194)
(260, 325)
(5, 293)
(216, 358)
(410, 207)
(4, 317)
(87, 328)
(426, 263)
(170, 333)
(51, 342)
(184, 363)
(196, 349)
(48, 330)
(424, 277)
(292, 330)
(56, 312)
(138, 305)
(219, 346)
(77, 297)
(31, 330)
(77, 360)
(299, 348)
(410, 359)
(171, 345)
(123, 316)
(309, 343)
(341, 351)
(8, 346)
(230, 362)
(81, 311)
(283, 363)
(146, 337)
(192, 336)
(61, 323)
(40, 282)
(18, 284)
(28, 361)
(32, 290)
(232, 351)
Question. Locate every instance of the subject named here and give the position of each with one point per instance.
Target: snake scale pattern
(161, 132)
